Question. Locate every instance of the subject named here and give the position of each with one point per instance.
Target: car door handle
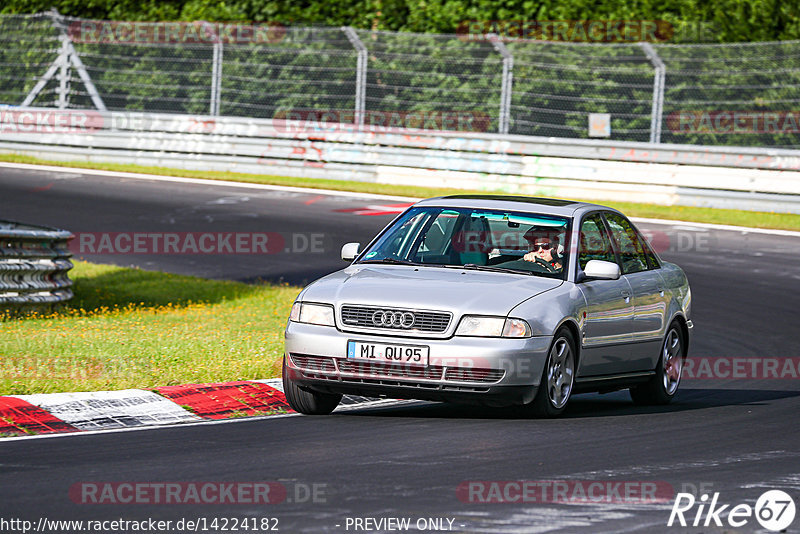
(626, 295)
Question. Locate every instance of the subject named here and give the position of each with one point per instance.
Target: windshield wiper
(392, 261)
(476, 267)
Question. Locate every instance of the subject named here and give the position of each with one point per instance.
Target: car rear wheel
(558, 377)
(308, 402)
(664, 385)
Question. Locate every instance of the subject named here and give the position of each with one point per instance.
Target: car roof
(549, 206)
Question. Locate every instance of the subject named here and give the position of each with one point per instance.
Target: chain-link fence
(736, 94)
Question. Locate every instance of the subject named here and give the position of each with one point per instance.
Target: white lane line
(200, 181)
(349, 194)
(349, 402)
(710, 226)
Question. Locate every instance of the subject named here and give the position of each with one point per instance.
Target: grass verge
(754, 219)
(129, 328)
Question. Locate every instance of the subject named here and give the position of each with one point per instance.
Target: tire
(558, 377)
(661, 389)
(308, 402)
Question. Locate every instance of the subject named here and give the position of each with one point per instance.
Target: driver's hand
(530, 256)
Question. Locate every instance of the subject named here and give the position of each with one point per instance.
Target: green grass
(752, 219)
(129, 328)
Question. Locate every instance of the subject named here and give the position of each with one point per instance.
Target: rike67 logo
(774, 510)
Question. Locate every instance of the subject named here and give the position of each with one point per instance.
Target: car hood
(431, 288)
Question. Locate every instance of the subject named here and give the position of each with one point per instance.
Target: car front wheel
(664, 385)
(308, 402)
(558, 377)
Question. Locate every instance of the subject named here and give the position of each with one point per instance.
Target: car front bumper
(492, 371)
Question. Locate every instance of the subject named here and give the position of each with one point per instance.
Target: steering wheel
(546, 265)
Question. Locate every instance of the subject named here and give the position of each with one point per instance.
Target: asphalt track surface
(738, 437)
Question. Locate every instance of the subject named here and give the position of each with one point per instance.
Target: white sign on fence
(599, 125)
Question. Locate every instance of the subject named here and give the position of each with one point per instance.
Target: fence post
(216, 71)
(63, 74)
(216, 78)
(68, 56)
(507, 82)
(659, 80)
(361, 74)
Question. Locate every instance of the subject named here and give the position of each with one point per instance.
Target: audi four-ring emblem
(394, 319)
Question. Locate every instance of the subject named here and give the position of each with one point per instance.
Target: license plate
(384, 352)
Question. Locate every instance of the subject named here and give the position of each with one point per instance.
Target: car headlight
(320, 314)
(482, 326)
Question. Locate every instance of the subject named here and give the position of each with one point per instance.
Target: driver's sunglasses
(543, 246)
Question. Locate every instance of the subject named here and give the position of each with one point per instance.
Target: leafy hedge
(720, 21)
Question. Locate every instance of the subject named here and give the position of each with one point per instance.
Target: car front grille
(424, 321)
(328, 368)
(390, 370)
(314, 363)
(473, 374)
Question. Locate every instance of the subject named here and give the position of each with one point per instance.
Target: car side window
(435, 240)
(631, 250)
(651, 256)
(594, 242)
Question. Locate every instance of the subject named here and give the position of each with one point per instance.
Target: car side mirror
(350, 251)
(601, 270)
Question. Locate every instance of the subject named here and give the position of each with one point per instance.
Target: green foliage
(731, 20)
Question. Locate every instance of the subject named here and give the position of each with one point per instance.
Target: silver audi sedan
(498, 300)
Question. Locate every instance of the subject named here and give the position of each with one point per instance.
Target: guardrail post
(659, 80)
(504, 118)
(361, 74)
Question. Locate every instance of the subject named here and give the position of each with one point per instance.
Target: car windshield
(491, 240)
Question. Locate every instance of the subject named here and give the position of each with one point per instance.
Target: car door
(608, 325)
(649, 298)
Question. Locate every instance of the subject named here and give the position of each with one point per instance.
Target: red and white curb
(47, 413)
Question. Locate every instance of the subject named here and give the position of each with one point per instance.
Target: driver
(543, 245)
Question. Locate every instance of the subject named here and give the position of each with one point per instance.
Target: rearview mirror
(350, 251)
(601, 270)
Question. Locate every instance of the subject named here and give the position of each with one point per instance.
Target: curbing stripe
(99, 410)
(21, 417)
(230, 399)
(89, 412)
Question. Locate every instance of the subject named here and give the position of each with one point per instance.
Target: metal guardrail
(724, 177)
(34, 261)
